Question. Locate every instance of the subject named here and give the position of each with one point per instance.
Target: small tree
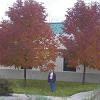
(82, 21)
(27, 40)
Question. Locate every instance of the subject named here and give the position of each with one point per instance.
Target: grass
(41, 87)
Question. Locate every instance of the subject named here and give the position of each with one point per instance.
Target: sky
(56, 9)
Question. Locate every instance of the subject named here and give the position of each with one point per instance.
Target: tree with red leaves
(83, 21)
(27, 40)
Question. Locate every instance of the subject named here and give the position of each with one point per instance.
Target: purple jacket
(53, 79)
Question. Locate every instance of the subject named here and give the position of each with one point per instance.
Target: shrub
(5, 87)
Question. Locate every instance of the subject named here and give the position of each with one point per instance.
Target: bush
(5, 87)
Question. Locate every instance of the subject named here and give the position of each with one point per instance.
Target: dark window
(66, 68)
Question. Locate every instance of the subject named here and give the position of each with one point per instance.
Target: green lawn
(41, 87)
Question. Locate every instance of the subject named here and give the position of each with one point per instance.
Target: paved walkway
(78, 96)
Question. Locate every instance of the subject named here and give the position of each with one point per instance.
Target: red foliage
(26, 39)
(83, 21)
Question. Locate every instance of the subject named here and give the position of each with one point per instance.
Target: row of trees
(27, 41)
(83, 21)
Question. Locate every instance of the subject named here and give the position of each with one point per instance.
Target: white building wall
(88, 70)
(7, 67)
(59, 64)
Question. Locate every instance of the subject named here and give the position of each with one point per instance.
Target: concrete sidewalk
(78, 96)
(30, 97)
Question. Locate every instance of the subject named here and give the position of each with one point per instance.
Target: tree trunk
(25, 77)
(84, 74)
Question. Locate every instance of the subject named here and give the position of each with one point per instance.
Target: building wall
(61, 76)
(59, 64)
(88, 70)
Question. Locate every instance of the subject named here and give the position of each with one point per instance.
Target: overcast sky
(56, 9)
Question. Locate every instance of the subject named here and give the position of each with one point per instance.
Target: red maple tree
(83, 21)
(27, 40)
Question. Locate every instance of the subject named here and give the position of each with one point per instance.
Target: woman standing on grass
(51, 80)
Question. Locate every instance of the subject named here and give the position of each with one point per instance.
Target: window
(65, 66)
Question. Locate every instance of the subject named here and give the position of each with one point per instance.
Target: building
(61, 64)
